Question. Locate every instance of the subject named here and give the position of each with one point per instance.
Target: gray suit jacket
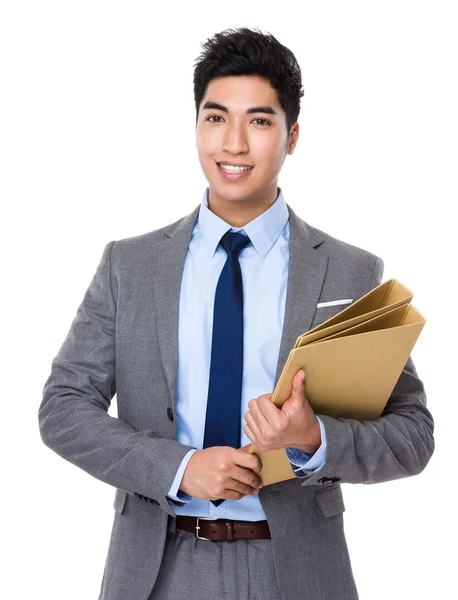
(124, 340)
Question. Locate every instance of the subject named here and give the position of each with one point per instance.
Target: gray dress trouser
(194, 569)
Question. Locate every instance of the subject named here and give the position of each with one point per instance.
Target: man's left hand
(294, 425)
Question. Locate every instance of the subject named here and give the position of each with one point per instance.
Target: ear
(293, 137)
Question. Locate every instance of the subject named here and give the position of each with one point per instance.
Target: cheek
(269, 149)
(201, 145)
(207, 143)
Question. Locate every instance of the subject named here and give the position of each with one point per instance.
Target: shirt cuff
(304, 461)
(174, 493)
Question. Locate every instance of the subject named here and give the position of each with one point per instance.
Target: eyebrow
(255, 109)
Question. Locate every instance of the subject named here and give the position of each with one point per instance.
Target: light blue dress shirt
(264, 266)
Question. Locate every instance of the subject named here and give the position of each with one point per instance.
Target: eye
(213, 117)
(266, 121)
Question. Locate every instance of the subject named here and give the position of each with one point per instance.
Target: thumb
(298, 390)
(297, 397)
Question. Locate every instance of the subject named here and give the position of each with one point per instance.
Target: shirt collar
(262, 231)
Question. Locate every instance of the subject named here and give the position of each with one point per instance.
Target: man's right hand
(222, 472)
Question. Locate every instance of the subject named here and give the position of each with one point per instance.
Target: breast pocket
(323, 313)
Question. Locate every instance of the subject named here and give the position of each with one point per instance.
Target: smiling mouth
(233, 169)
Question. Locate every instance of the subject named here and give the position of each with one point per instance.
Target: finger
(257, 413)
(234, 485)
(247, 477)
(250, 435)
(251, 450)
(252, 424)
(258, 443)
(235, 489)
(228, 495)
(250, 461)
(268, 410)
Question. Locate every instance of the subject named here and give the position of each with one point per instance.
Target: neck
(240, 212)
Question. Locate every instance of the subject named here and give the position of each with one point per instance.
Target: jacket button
(170, 413)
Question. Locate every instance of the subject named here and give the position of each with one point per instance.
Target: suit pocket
(323, 313)
(119, 500)
(330, 501)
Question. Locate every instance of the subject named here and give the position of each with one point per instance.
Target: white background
(97, 144)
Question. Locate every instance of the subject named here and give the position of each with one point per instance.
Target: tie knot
(234, 241)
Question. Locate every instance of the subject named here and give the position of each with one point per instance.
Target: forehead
(241, 92)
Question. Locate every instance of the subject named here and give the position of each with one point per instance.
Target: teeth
(232, 169)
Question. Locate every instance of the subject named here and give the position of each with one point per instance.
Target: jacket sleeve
(73, 415)
(397, 444)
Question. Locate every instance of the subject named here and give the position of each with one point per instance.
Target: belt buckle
(198, 526)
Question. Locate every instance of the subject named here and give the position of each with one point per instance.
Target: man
(190, 325)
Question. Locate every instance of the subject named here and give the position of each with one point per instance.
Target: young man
(190, 325)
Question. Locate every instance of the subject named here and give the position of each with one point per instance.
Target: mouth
(234, 172)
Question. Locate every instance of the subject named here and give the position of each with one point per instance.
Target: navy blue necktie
(222, 424)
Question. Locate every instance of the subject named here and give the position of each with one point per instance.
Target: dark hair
(249, 52)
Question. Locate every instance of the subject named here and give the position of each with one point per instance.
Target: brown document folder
(352, 362)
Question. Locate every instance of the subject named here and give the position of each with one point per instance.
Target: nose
(235, 140)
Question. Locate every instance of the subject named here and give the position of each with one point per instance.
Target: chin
(233, 192)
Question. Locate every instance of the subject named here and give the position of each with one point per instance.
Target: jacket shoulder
(144, 243)
(329, 245)
(335, 248)
(345, 259)
(154, 236)
(350, 259)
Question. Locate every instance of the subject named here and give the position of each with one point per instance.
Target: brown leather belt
(224, 529)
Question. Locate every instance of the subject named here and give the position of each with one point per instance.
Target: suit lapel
(306, 273)
(168, 266)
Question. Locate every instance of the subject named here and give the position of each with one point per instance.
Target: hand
(294, 425)
(222, 472)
